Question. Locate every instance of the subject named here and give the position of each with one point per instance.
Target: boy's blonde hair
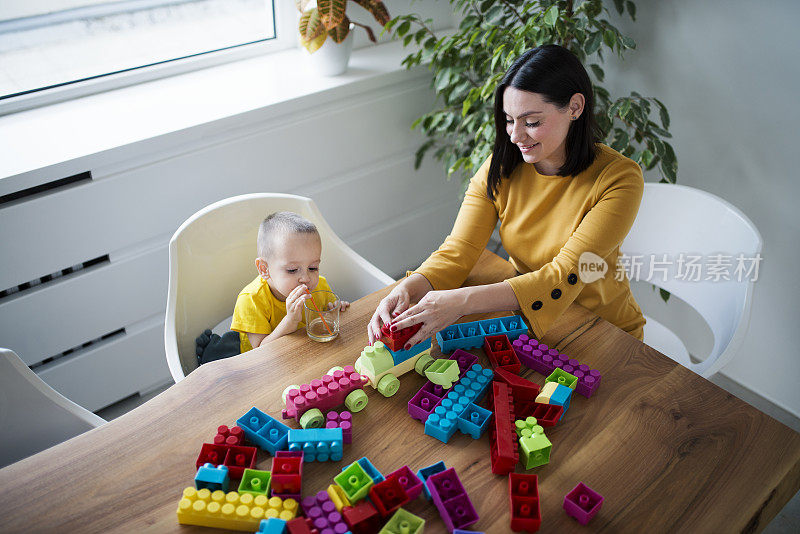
(281, 223)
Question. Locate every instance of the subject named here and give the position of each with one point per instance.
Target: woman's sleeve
(543, 295)
(449, 266)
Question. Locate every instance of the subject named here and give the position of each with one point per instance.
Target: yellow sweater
(547, 222)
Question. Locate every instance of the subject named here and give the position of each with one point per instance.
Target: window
(56, 49)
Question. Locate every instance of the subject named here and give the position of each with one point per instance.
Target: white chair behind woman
(33, 415)
(211, 258)
(674, 220)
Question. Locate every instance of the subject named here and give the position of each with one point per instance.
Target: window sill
(102, 130)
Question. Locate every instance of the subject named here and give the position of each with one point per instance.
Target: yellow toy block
(546, 392)
(338, 497)
(231, 510)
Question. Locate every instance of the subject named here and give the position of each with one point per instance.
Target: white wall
(729, 72)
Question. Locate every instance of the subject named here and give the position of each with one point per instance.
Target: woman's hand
(436, 310)
(392, 304)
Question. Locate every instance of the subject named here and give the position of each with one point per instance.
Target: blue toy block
(273, 525)
(460, 531)
(425, 472)
(471, 335)
(399, 356)
(264, 430)
(474, 420)
(212, 477)
(443, 422)
(371, 470)
(561, 396)
(317, 444)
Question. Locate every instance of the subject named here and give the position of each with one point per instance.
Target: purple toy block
(451, 500)
(582, 503)
(409, 480)
(544, 360)
(464, 359)
(322, 513)
(422, 404)
(343, 420)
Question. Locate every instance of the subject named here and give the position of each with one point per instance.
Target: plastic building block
(235, 458)
(388, 496)
(343, 420)
(554, 393)
(423, 402)
(443, 372)
(399, 356)
(523, 499)
(211, 477)
(317, 444)
(545, 360)
(474, 420)
(522, 390)
(378, 362)
(338, 497)
(409, 480)
(425, 472)
(403, 522)
(451, 499)
(582, 503)
(273, 525)
(504, 446)
(471, 335)
(546, 415)
(395, 341)
(362, 518)
(255, 482)
(533, 443)
(370, 469)
(560, 376)
(443, 422)
(229, 436)
(501, 355)
(326, 393)
(231, 510)
(300, 525)
(287, 474)
(354, 481)
(323, 515)
(464, 359)
(264, 430)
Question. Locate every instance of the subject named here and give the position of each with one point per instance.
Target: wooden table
(669, 450)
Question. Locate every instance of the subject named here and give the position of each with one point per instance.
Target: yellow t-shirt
(258, 311)
(546, 223)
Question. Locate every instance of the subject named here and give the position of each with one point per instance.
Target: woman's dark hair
(555, 73)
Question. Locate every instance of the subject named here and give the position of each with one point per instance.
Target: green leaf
(421, 153)
(551, 15)
(593, 43)
(620, 5)
(631, 9)
(627, 42)
(495, 15)
(624, 108)
(598, 72)
(647, 158)
(610, 38)
(663, 113)
(403, 28)
(664, 294)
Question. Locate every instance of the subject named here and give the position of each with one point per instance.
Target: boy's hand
(343, 305)
(294, 305)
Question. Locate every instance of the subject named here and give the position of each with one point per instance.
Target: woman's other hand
(436, 311)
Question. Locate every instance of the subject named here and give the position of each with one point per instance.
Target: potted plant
(325, 19)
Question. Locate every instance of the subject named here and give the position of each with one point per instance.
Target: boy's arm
(294, 314)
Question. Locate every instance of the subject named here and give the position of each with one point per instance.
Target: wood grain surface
(669, 451)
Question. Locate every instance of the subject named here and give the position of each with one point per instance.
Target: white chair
(33, 415)
(675, 219)
(211, 258)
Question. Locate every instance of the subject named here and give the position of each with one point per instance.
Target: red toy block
(501, 355)
(388, 496)
(523, 499)
(522, 389)
(504, 447)
(409, 480)
(397, 340)
(362, 518)
(300, 525)
(546, 414)
(229, 436)
(287, 474)
(235, 457)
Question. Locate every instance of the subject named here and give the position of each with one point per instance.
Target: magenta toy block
(322, 513)
(501, 355)
(343, 420)
(464, 359)
(451, 500)
(545, 360)
(410, 481)
(422, 405)
(582, 503)
(523, 499)
(388, 496)
(287, 474)
(325, 394)
(229, 436)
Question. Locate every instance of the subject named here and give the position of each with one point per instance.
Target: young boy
(271, 306)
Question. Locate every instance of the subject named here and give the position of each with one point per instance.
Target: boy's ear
(262, 268)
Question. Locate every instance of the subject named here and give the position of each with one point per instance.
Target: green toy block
(403, 522)
(375, 359)
(560, 376)
(255, 482)
(534, 446)
(443, 372)
(354, 481)
(527, 427)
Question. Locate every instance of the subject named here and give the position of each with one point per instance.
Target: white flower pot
(331, 59)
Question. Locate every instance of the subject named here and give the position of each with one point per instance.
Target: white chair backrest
(33, 415)
(211, 258)
(676, 219)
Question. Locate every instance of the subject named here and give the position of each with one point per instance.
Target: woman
(558, 193)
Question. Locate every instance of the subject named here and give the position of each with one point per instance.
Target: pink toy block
(451, 500)
(324, 394)
(582, 503)
(343, 420)
(229, 436)
(409, 480)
